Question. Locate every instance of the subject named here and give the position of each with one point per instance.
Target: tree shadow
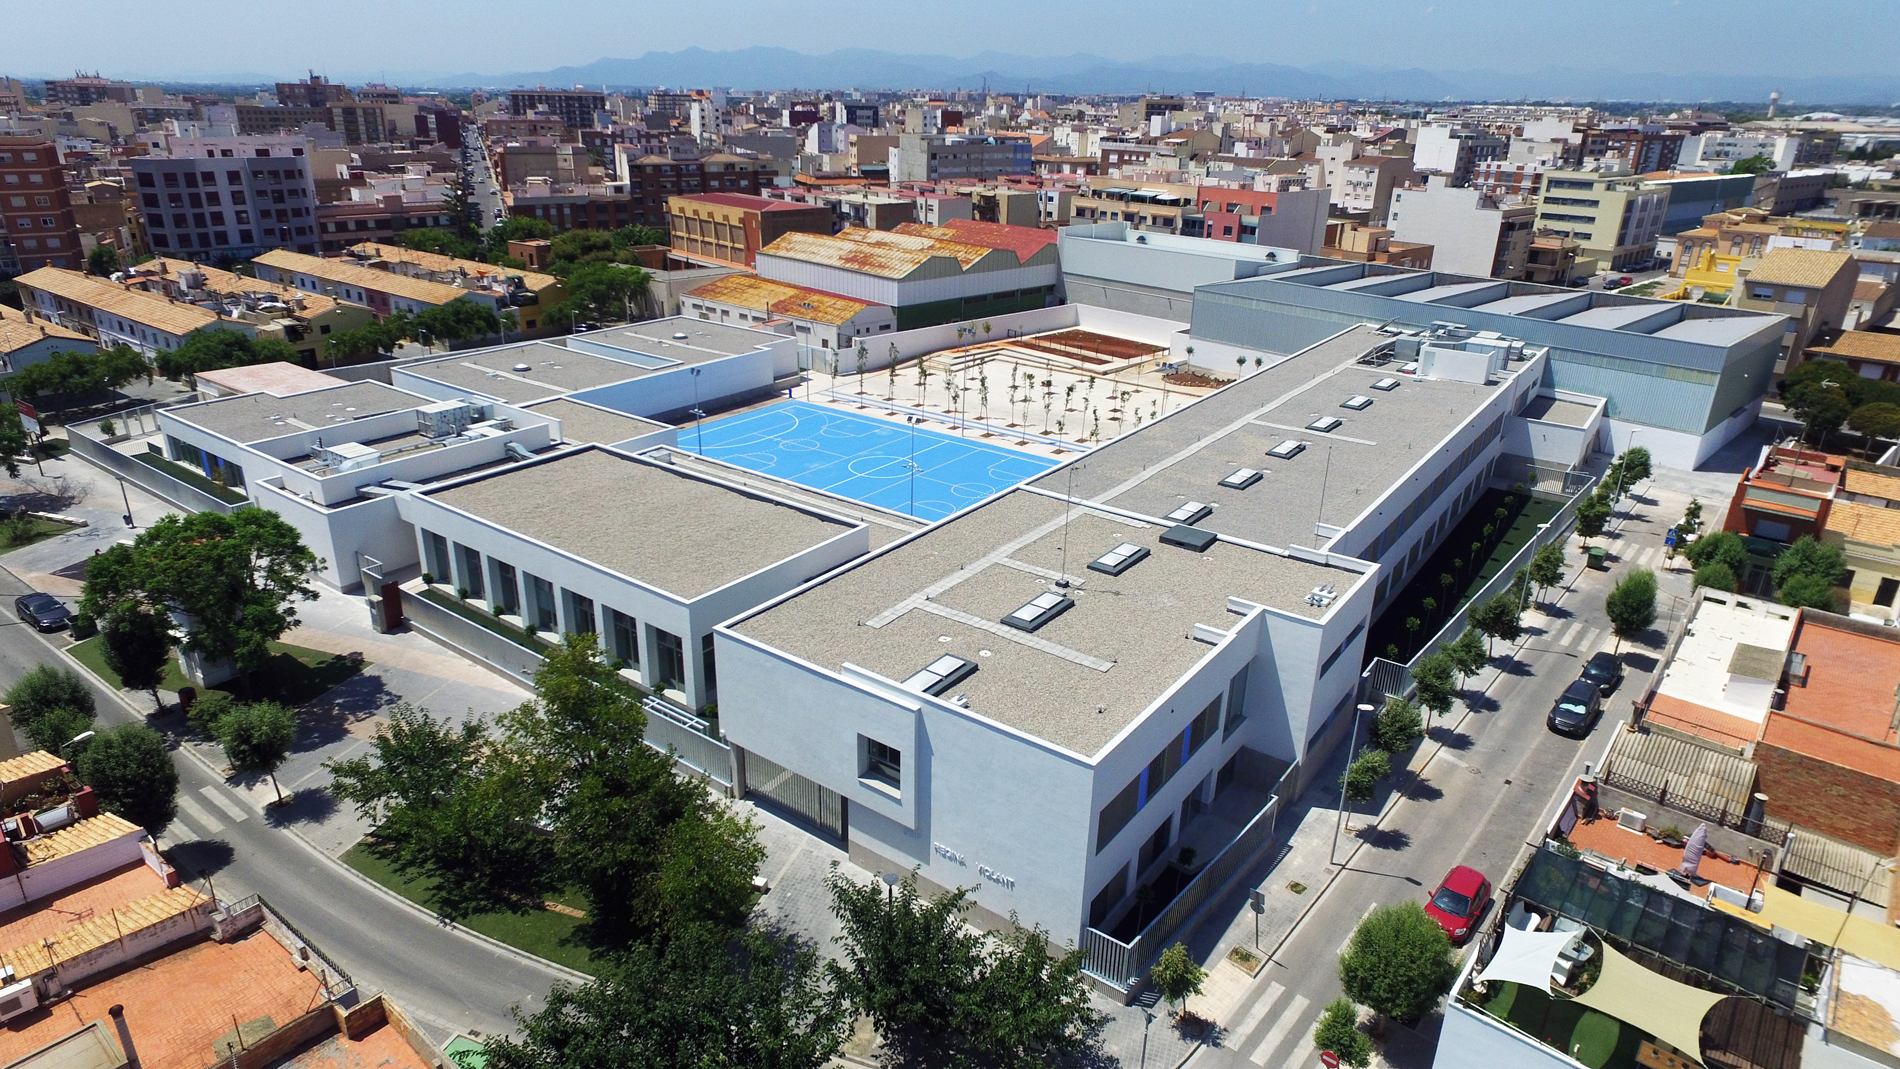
(1640, 662)
(1556, 612)
(202, 857)
(1482, 703)
(1515, 666)
(329, 719)
(306, 805)
(1423, 790)
(1380, 838)
(1448, 738)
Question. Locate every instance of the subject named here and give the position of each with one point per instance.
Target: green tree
(204, 713)
(1177, 976)
(1593, 514)
(103, 260)
(234, 578)
(1398, 963)
(939, 993)
(137, 645)
(211, 350)
(1338, 1031)
(1756, 164)
(1433, 678)
(1397, 725)
(1717, 576)
(1719, 547)
(1807, 591)
(701, 1000)
(1808, 557)
(1631, 605)
(1820, 405)
(1547, 566)
(458, 242)
(1880, 419)
(131, 771)
(514, 228)
(45, 703)
(257, 737)
(1499, 617)
(1360, 781)
(457, 320)
(13, 440)
(1468, 654)
(1635, 466)
(596, 291)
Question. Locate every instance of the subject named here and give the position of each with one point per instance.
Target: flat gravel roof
(552, 370)
(255, 417)
(644, 519)
(1079, 679)
(586, 423)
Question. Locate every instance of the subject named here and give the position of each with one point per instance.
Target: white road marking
(1590, 638)
(198, 820)
(1259, 1012)
(1370, 906)
(1570, 632)
(1302, 1056)
(1285, 1024)
(231, 809)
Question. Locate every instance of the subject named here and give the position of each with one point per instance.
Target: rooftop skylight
(1120, 559)
(1242, 479)
(1041, 609)
(941, 674)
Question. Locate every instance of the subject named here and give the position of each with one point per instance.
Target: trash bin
(1600, 558)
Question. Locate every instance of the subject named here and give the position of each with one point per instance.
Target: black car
(43, 611)
(1576, 712)
(1605, 670)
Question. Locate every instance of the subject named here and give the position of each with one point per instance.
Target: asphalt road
(1477, 802)
(448, 980)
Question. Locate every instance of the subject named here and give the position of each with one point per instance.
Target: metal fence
(966, 422)
(689, 745)
(1121, 964)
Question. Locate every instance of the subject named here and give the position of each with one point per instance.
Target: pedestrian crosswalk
(205, 813)
(1292, 1019)
(1574, 635)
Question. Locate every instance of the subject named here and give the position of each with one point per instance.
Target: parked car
(43, 611)
(1605, 670)
(1577, 709)
(1460, 900)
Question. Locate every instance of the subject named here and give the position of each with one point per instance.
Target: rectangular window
(435, 553)
(1108, 897)
(707, 672)
(541, 604)
(624, 633)
(580, 614)
(1203, 727)
(1117, 813)
(1157, 845)
(507, 585)
(1883, 597)
(1236, 701)
(882, 763)
(670, 671)
(468, 571)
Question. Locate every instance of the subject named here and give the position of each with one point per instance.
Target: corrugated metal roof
(780, 298)
(1707, 778)
(964, 253)
(1841, 866)
(898, 258)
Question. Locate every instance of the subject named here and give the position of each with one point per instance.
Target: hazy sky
(364, 39)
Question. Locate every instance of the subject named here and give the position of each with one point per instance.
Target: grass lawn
(191, 478)
(543, 933)
(38, 530)
(1597, 1041)
(293, 675)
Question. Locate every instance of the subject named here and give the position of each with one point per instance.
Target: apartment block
(1470, 232)
(574, 107)
(953, 157)
(85, 90)
(1612, 217)
(1812, 287)
(725, 229)
(227, 198)
(37, 225)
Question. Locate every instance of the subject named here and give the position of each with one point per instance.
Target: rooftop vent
(1189, 538)
(1325, 424)
(1120, 559)
(1409, 368)
(1041, 609)
(941, 674)
(679, 335)
(1386, 384)
(1321, 596)
(1287, 450)
(522, 367)
(1357, 402)
(1190, 514)
(1242, 479)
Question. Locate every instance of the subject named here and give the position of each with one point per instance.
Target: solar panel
(1041, 609)
(1120, 559)
(1287, 450)
(1242, 479)
(1190, 514)
(941, 674)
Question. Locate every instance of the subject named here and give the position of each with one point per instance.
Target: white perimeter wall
(369, 528)
(673, 390)
(924, 341)
(896, 293)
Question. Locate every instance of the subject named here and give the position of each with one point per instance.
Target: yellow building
(1710, 277)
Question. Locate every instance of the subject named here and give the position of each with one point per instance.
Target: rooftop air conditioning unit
(17, 998)
(348, 456)
(444, 418)
(1631, 820)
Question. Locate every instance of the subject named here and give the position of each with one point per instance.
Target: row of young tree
(563, 795)
(1398, 964)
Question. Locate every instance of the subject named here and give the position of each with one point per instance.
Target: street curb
(561, 972)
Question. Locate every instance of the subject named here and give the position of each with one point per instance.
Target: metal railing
(1121, 964)
(688, 743)
(966, 422)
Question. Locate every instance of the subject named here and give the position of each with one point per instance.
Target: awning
(1527, 957)
(1667, 1009)
(1859, 936)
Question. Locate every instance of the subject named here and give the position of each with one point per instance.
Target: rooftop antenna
(1320, 516)
(1068, 510)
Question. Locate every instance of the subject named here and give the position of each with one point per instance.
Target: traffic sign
(1328, 1059)
(1671, 538)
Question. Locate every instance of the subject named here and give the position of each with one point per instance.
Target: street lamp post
(128, 501)
(699, 416)
(1357, 712)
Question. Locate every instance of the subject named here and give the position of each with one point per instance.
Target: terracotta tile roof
(1811, 268)
(431, 261)
(366, 278)
(36, 763)
(1835, 747)
(1882, 229)
(1851, 676)
(1862, 345)
(780, 298)
(1872, 483)
(89, 935)
(17, 332)
(227, 282)
(1610, 839)
(1865, 523)
(83, 835)
(176, 318)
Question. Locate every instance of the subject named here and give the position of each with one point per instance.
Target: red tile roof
(746, 200)
(1851, 679)
(1024, 241)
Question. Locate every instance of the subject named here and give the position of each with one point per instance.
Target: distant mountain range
(861, 68)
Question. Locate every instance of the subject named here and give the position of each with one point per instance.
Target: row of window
(34, 179)
(34, 243)
(533, 600)
(209, 179)
(38, 202)
(1148, 782)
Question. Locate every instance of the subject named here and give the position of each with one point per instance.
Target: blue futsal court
(864, 458)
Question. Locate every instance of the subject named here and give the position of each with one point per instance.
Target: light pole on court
(699, 415)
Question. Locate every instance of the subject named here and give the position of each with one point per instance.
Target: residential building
(958, 158)
(382, 219)
(927, 275)
(104, 215)
(1789, 192)
(1114, 265)
(26, 338)
(1813, 288)
(865, 208)
(227, 198)
(1552, 260)
(1293, 219)
(1614, 220)
(1366, 184)
(113, 314)
(1741, 234)
(1638, 149)
(1864, 521)
(826, 320)
(1693, 196)
(85, 90)
(1470, 231)
(575, 108)
(1456, 151)
(575, 206)
(652, 179)
(389, 279)
(301, 320)
(1508, 178)
(37, 225)
(1722, 150)
(1373, 244)
(730, 228)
